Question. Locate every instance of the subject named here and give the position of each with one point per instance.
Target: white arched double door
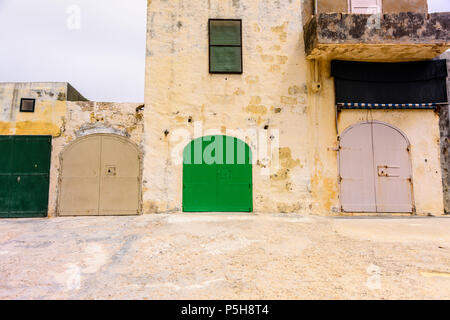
(375, 170)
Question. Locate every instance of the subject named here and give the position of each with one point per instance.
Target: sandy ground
(225, 256)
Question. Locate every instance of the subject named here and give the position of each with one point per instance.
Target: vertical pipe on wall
(316, 70)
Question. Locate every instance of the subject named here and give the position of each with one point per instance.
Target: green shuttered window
(225, 46)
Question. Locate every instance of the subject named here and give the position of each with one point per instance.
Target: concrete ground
(225, 256)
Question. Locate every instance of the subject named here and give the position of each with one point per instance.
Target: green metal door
(24, 176)
(217, 175)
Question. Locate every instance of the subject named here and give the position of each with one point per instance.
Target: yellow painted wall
(50, 108)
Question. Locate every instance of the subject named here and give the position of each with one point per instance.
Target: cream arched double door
(375, 169)
(100, 175)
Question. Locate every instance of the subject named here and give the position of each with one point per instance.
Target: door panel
(5, 174)
(29, 199)
(6, 143)
(393, 171)
(80, 179)
(31, 155)
(5, 194)
(79, 196)
(24, 176)
(82, 159)
(199, 191)
(356, 170)
(234, 188)
(119, 182)
(119, 196)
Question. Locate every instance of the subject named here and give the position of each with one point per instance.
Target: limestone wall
(269, 97)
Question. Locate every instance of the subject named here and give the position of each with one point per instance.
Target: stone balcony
(402, 36)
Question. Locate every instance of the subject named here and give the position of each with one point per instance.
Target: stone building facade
(242, 113)
(286, 94)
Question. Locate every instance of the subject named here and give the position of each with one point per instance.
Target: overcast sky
(96, 45)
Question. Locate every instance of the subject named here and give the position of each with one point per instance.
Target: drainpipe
(316, 70)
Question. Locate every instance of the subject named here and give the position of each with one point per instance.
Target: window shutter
(365, 6)
(225, 33)
(225, 46)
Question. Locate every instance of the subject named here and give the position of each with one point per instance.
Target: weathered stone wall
(85, 118)
(269, 95)
(444, 125)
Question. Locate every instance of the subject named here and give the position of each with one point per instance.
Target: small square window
(225, 46)
(27, 105)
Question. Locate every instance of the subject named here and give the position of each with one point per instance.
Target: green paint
(225, 33)
(24, 176)
(217, 175)
(225, 59)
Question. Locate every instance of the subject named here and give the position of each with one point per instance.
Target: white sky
(104, 59)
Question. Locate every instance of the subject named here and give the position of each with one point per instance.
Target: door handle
(18, 179)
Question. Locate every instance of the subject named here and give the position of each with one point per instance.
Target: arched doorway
(217, 175)
(100, 175)
(375, 169)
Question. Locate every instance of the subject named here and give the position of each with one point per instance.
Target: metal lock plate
(111, 171)
(386, 171)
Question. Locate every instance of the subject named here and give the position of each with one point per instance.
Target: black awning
(404, 84)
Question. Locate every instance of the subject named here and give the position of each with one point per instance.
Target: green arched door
(217, 175)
